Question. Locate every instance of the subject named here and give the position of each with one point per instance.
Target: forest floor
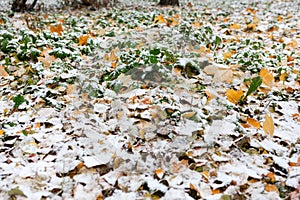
(145, 102)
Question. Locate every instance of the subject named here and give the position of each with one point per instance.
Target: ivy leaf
(18, 100)
(256, 82)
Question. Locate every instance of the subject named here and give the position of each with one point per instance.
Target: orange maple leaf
(83, 40)
(56, 29)
(234, 96)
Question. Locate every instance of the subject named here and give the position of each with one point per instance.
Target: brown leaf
(268, 125)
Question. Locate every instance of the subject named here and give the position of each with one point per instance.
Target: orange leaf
(253, 122)
(279, 18)
(159, 172)
(271, 176)
(56, 29)
(216, 191)
(290, 58)
(83, 40)
(267, 77)
(268, 125)
(234, 96)
(271, 188)
(283, 76)
(250, 27)
(2, 132)
(114, 65)
(3, 71)
(159, 19)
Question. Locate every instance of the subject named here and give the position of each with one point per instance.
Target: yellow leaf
(253, 122)
(267, 77)
(279, 18)
(227, 55)
(159, 19)
(268, 125)
(250, 27)
(3, 71)
(235, 26)
(283, 76)
(2, 132)
(234, 96)
(56, 29)
(83, 40)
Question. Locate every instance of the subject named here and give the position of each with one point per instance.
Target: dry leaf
(268, 125)
(267, 77)
(3, 71)
(47, 59)
(159, 19)
(271, 177)
(250, 27)
(271, 188)
(234, 96)
(253, 122)
(227, 55)
(159, 173)
(216, 191)
(112, 56)
(56, 29)
(2, 132)
(235, 26)
(83, 40)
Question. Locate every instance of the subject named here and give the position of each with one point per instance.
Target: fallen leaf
(235, 26)
(271, 188)
(253, 122)
(250, 28)
(83, 40)
(3, 71)
(2, 132)
(234, 96)
(267, 77)
(268, 125)
(56, 29)
(112, 56)
(159, 172)
(227, 55)
(159, 19)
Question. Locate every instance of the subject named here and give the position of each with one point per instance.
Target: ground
(145, 102)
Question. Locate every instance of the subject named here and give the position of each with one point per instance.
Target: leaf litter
(197, 102)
